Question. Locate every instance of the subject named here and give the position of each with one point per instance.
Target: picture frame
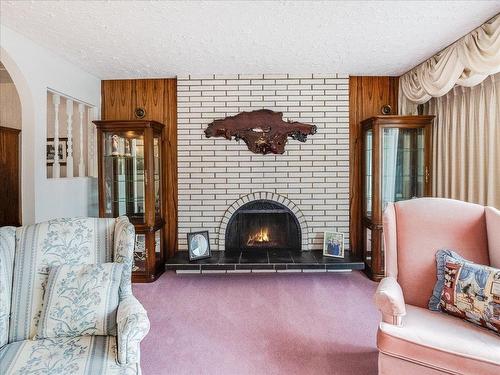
(63, 151)
(333, 244)
(198, 245)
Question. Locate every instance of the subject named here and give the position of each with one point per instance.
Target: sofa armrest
(390, 301)
(132, 326)
(123, 243)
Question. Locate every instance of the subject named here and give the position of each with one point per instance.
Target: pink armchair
(412, 339)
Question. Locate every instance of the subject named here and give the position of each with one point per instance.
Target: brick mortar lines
(214, 173)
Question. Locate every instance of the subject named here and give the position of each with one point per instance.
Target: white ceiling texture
(134, 39)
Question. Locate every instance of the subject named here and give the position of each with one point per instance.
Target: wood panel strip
(116, 100)
(366, 97)
(149, 94)
(170, 189)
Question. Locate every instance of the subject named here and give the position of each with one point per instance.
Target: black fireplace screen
(263, 225)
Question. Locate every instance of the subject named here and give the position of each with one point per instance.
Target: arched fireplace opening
(263, 225)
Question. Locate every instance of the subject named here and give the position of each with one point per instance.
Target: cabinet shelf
(128, 200)
(124, 157)
(130, 180)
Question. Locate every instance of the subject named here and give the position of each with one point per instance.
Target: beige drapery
(466, 62)
(466, 143)
(460, 86)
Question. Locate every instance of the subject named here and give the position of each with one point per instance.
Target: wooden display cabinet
(396, 165)
(131, 184)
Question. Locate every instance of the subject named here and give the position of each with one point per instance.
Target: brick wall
(214, 173)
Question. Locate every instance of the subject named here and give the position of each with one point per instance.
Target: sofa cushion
(7, 249)
(42, 246)
(85, 355)
(441, 255)
(441, 341)
(81, 300)
(472, 292)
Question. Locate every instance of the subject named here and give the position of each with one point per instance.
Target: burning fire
(261, 236)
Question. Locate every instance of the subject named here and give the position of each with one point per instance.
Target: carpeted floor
(260, 324)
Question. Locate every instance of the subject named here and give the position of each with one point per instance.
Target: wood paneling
(10, 208)
(170, 192)
(366, 97)
(158, 97)
(149, 94)
(117, 100)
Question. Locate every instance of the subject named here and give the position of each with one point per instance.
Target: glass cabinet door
(123, 174)
(157, 175)
(140, 253)
(368, 172)
(402, 164)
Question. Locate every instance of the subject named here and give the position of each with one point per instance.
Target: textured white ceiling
(125, 39)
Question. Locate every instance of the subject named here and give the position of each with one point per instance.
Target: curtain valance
(466, 62)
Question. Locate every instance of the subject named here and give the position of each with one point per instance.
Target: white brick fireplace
(215, 174)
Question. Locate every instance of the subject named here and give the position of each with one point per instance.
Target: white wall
(215, 172)
(34, 69)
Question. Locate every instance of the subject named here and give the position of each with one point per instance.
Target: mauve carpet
(260, 324)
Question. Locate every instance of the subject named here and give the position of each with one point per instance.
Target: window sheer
(466, 143)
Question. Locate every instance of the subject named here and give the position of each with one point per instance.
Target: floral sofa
(26, 255)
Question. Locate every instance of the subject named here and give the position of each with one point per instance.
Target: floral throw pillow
(81, 300)
(469, 291)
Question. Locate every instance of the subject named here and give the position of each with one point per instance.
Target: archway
(10, 150)
(26, 197)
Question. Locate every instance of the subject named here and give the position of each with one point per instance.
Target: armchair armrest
(132, 326)
(390, 301)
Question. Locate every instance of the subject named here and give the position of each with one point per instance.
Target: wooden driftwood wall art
(264, 131)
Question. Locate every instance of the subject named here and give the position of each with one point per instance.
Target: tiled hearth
(265, 261)
(310, 180)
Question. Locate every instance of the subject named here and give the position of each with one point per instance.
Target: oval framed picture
(198, 245)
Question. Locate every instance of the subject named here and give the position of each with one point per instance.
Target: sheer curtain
(466, 143)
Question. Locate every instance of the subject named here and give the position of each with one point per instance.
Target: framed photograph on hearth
(333, 244)
(198, 245)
